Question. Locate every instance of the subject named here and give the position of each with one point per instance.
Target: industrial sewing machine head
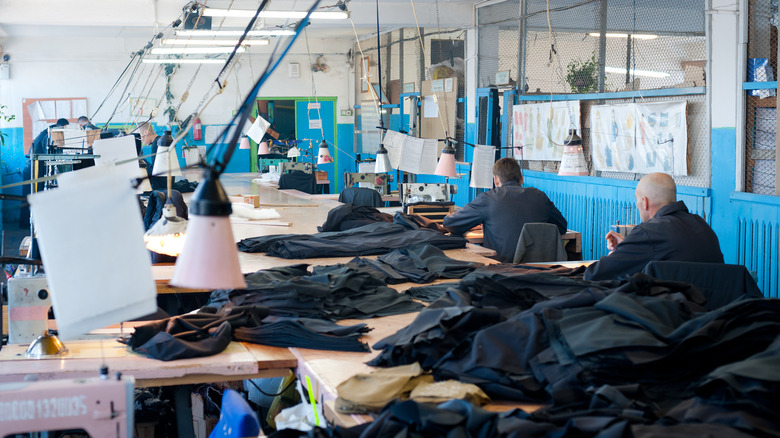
(29, 302)
(377, 181)
(102, 406)
(413, 193)
(289, 166)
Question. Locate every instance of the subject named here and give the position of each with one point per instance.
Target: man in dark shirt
(149, 137)
(504, 210)
(667, 232)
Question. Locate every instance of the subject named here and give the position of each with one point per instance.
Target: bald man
(667, 232)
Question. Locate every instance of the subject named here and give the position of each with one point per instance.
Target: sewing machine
(29, 302)
(289, 166)
(377, 181)
(413, 193)
(102, 406)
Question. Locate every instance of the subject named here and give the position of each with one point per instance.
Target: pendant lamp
(382, 164)
(446, 165)
(293, 152)
(167, 235)
(573, 162)
(323, 155)
(244, 143)
(262, 148)
(209, 259)
(166, 160)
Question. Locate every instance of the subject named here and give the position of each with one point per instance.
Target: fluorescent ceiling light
(194, 50)
(183, 42)
(236, 33)
(636, 36)
(245, 13)
(182, 61)
(646, 73)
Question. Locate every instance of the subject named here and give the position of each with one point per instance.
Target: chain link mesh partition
(761, 105)
(647, 45)
(404, 64)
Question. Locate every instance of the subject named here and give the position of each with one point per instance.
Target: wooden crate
(435, 213)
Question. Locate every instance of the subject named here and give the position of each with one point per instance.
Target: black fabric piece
(341, 294)
(305, 333)
(430, 293)
(415, 221)
(503, 211)
(298, 180)
(348, 216)
(375, 238)
(184, 186)
(720, 283)
(361, 196)
(672, 234)
(455, 418)
(157, 200)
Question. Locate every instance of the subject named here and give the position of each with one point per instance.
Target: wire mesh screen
(646, 45)
(761, 105)
(405, 65)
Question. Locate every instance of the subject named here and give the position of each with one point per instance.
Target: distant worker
(85, 124)
(40, 145)
(667, 232)
(504, 210)
(149, 138)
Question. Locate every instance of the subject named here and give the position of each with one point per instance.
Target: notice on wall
(640, 137)
(539, 130)
(482, 167)
(430, 107)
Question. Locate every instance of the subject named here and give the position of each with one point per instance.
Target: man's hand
(613, 239)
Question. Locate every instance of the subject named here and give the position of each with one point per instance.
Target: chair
(298, 180)
(236, 418)
(361, 196)
(539, 242)
(720, 283)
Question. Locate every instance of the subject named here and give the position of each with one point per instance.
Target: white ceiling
(143, 18)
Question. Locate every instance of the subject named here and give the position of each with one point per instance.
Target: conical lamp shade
(446, 165)
(293, 152)
(573, 161)
(323, 156)
(162, 159)
(209, 259)
(244, 144)
(382, 164)
(262, 148)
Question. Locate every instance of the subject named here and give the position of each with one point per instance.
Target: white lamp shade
(293, 152)
(446, 165)
(244, 144)
(573, 162)
(162, 159)
(382, 164)
(262, 148)
(210, 256)
(323, 156)
(168, 234)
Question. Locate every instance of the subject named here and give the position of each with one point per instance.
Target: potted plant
(5, 118)
(582, 76)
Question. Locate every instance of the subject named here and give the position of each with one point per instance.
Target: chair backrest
(539, 242)
(361, 196)
(298, 180)
(720, 283)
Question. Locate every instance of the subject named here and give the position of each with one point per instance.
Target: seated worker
(40, 146)
(85, 124)
(504, 210)
(667, 232)
(149, 138)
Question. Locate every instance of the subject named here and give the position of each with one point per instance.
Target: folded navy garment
(304, 333)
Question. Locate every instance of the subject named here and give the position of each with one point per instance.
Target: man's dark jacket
(503, 211)
(672, 234)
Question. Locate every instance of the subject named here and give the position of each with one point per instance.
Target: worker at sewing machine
(504, 210)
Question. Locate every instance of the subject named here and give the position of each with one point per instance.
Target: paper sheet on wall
(210, 134)
(63, 109)
(90, 234)
(315, 124)
(431, 108)
(113, 150)
(80, 107)
(49, 110)
(482, 167)
(258, 129)
(36, 111)
(394, 143)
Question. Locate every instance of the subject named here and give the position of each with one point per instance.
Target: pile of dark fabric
(207, 333)
(645, 353)
(348, 216)
(419, 263)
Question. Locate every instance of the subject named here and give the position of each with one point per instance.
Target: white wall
(45, 67)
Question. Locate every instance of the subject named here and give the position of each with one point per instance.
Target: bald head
(653, 192)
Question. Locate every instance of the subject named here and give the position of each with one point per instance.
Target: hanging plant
(582, 76)
(170, 110)
(6, 118)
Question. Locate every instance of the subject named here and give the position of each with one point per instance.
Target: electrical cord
(292, 382)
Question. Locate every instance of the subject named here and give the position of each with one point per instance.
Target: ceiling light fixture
(237, 33)
(636, 36)
(645, 73)
(297, 15)
(189, 42)
(195, 50)
(182, 61)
